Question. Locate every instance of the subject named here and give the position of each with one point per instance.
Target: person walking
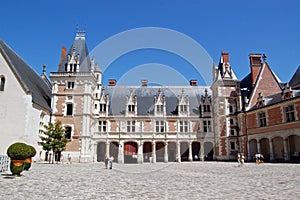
(106, 161)
(242, 159)
(239, 159)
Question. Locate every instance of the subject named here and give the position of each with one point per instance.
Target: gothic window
(160, 126)
(183, 108)
(102, 126)
(131, 108)
(68, 131)
(289, 113)
(206, 108)
(206, 126)
(130, 126)
(262, 120)
(102, 107)
(183, 126)
(159, 108)
(2, 83)
(69, 109)
(70, 84)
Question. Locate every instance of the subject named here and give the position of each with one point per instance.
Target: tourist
(62, 158)
(239, 159)
(106, 161)
(242, 159)
(69, 159)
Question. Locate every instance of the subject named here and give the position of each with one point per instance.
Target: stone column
(248, 151)
(166, 152)
(178, 152)
(121, 153)
(153, 152)
(271, 149)
(286, 149)
(95, 152)
(190, 152)
(107, 148)
(202, 150)
(140, 153)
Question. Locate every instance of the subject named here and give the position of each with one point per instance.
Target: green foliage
(32, 151)
(54, 138)
(18, 151)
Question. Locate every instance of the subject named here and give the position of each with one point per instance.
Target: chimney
(112, 82)
(225, 57)
(193, 82)
(255, 66)
(144, 82)
(63, 55)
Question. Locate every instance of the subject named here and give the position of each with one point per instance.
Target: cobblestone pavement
(198, 180)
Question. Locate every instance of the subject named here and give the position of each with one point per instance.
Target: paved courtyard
(199, 180)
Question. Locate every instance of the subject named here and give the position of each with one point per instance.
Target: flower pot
(16, 167)
(27, 163)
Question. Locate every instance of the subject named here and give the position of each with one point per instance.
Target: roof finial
(264, 58)
(44, 69)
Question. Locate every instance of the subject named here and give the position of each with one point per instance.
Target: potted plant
(27, 163)
(17, 152)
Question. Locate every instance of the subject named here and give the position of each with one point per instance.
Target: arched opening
(114, 151)
(147, 151)
(101, 151)
(171, 152)
(278, 148)
(208, 151)
(253, 149)
(160, 151)
(265, 148)
(196, 151)
(294, 147)
(184, 151)
(130, 152)
(68, 131)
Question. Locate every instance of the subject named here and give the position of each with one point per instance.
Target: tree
(54, 139)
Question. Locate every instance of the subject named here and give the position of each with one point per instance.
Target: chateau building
(145, 123)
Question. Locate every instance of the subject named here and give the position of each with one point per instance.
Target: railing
(4, 163)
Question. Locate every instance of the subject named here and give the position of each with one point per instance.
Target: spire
(80, 34)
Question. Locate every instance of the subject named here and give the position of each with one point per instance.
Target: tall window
(70, 85)
(183, 126)
(69, 109)
(289, 113)
(102, 107)
(232, 145)
(160, 126)
(131, 108)
(262, 119)
(130, 126)
(230, 109)
(206, 126)
(68, 132)
(102, 127)
(2, 83)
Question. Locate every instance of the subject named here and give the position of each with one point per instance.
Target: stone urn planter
(18, 152)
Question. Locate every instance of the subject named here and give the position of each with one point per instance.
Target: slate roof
(80, 47)
(295, 80)
(145, 98)
(29, 79)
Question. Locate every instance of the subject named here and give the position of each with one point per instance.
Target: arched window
(2, 83)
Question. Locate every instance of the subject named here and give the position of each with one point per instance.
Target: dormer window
(205, 105)
(102, 107)
(183, 108)
(260, 100)
(183, 104)
(287, 92)
(159, 108)
(70, 85)
(131, 108)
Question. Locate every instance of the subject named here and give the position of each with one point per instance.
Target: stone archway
(208, 151)
(147, 151)
(101, 151)
(252, 149)
(265, 148)
(130, 152)
(278, 148)
(172, 152)
(184, 151)
(294, 147)
(114, 150)
(196, 151)
(160, 151)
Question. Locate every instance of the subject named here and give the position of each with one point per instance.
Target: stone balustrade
(4, 163)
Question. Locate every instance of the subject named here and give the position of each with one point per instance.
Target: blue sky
(36, 30)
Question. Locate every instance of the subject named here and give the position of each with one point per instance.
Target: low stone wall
(4, 163)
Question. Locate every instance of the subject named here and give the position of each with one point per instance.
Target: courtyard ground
(197, 180)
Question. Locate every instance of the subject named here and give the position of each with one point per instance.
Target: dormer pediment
(260, 101)
(287, 92)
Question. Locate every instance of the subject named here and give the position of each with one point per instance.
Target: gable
(266, 84)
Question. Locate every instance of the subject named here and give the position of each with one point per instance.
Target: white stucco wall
(19, 121)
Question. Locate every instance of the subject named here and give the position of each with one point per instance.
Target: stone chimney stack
(255, 66)
(193, 82)
(63, 55)
(144, 82)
